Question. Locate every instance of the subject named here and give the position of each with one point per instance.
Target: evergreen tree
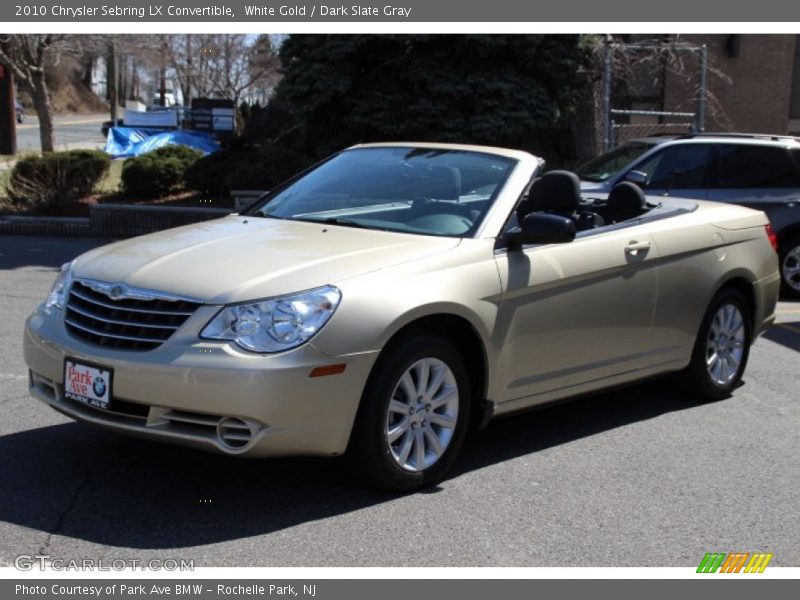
(483, 89)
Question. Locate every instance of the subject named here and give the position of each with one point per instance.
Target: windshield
(606, 165)
(428, 191)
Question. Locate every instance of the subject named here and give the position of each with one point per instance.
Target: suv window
(677, 167)
(756, 167)
(606, 165)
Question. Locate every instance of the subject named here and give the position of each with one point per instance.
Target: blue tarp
(124, 142)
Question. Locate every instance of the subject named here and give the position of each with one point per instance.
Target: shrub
(158, 173)
(56, 179)
(260, 168)
(209, 174)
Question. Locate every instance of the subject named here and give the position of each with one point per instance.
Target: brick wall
(754, 92)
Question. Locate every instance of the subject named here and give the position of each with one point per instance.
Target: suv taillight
(773, 239)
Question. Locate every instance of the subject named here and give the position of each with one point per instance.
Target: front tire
(722, 348)
(790, 267)
(413, 416)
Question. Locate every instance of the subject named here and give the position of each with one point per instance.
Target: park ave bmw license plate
(89, 384)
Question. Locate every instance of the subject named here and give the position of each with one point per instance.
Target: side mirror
(637, 177)
(543, 228)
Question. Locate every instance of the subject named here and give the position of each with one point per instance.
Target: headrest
(626, 198)
(556, 191)
(443, 183)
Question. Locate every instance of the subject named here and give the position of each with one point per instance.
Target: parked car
(759, 171)
(388, 299)
(19, 110)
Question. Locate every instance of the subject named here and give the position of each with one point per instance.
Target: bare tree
(26, 58)
(190, 57)
(220, 64)
(668, 64)
(242, 65)
(661, 70)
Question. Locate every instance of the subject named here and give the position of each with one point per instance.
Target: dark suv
(759, 171)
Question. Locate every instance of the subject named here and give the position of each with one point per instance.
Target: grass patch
(110, 184)
(5, 175)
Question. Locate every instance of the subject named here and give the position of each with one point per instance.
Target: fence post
(701, 107)
(607, 125)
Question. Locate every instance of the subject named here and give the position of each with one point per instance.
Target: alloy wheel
(422, 414)
(791, 268)
(725, 344)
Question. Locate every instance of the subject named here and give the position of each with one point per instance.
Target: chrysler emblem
(122, 291)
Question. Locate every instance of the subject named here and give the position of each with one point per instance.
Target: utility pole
(8, 113)
(162, 90)
(113, 82)
(162, 73)
(187, 96)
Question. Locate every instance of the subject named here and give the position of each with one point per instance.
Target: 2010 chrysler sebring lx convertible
(382, 302)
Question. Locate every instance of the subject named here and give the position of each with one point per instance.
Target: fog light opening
(234, 433)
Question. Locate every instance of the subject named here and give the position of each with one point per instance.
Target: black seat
(558, 193)
(626, 201)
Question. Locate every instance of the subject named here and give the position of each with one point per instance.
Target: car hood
(243, 258)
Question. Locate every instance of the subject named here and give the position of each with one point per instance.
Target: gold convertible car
(388, 299)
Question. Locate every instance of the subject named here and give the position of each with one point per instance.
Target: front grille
(125, 324)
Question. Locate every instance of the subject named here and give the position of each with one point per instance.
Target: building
(752, 84)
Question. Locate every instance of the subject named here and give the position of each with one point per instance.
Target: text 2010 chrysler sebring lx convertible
(387, 299)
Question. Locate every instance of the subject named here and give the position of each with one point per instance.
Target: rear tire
(721, 349)
(413, 415)
(790, 267)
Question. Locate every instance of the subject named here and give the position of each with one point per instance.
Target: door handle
(636, 247)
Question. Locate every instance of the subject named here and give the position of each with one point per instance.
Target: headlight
(276, 324)
(58, 295)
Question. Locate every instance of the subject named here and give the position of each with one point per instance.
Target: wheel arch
(744, 285)
(788, 232)
(464, 334)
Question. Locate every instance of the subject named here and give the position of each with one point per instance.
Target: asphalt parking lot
(640, 477)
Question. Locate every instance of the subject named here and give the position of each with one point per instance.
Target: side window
(756, 167)
(796, 156)
(677, 167)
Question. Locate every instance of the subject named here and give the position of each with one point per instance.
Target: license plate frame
(81, 384)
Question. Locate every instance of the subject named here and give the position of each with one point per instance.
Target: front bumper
(204, 394)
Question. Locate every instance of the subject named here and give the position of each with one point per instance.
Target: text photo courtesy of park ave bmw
(306, 299)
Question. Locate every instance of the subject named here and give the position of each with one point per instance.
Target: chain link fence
(629, 125)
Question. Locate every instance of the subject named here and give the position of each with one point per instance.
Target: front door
(574, 313)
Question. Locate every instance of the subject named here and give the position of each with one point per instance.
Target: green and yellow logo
(734, 562)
